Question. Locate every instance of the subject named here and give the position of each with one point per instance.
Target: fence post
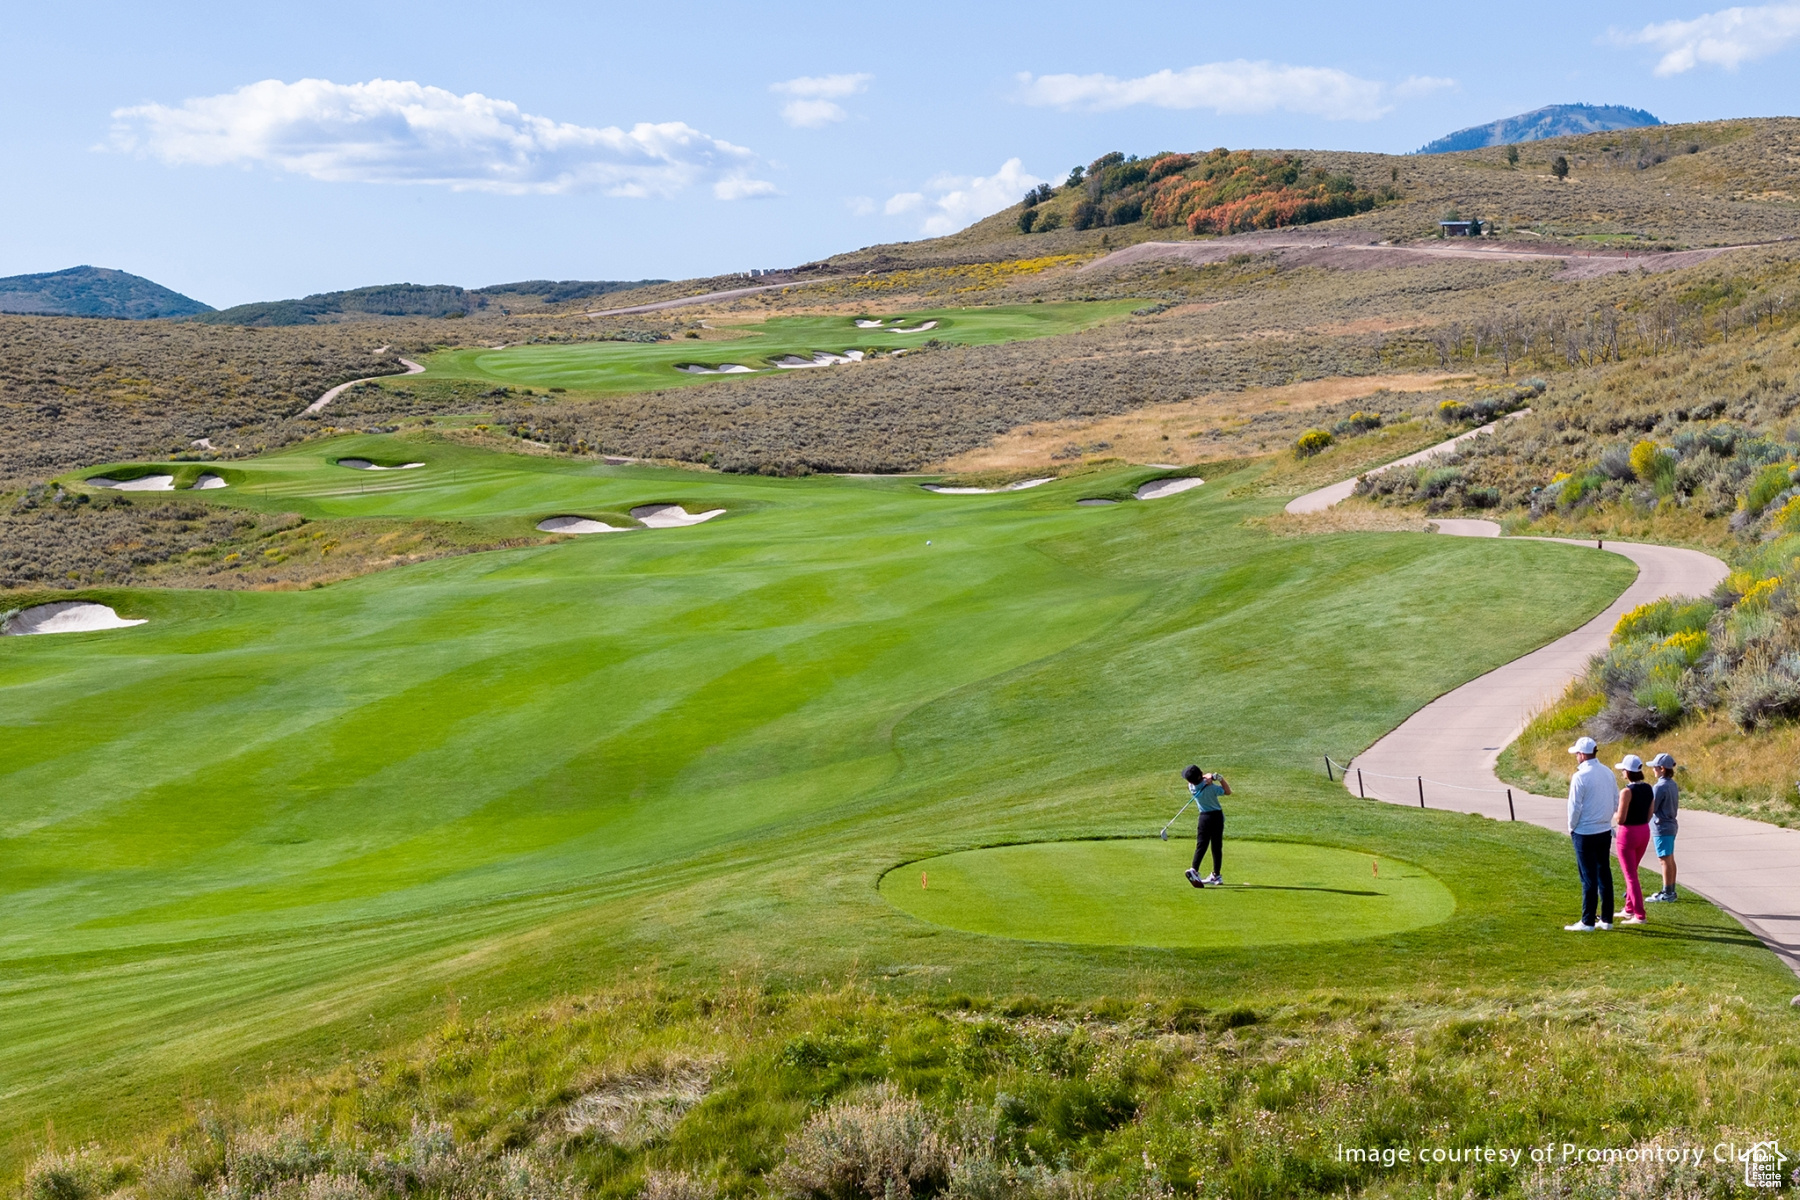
(1359, 788)
(1509, 805)
(1421, 779)
(1328, 768)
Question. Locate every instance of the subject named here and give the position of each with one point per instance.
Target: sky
(251, 152)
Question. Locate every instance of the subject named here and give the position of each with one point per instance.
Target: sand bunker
(577, 525)
(793, 362)
(207, 482)
(363, 464)
(973, 491)
(671, 516)
(915, 328)
(1094, 502)
(1156, 489)
(66, 616)
(143, 483)
(721, 369)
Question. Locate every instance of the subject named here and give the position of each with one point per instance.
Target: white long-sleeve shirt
(1593, 798)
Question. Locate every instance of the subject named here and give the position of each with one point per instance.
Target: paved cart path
(1751, 869)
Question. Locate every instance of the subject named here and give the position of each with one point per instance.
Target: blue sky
(241, 152)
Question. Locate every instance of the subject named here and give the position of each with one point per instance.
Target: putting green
(1131, 893)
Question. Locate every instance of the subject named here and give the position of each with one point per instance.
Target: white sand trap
(577, 525)
(1156, 489)
(915, 328)
(363, 464)
(207, 482)
(868, 324)
(1011, 487)
(143, 483)
(1094, 502)
(66, 616)
(671, 516)
(793, 362)
(721, 369)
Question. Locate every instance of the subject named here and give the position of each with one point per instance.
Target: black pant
(1212, 833)
(1593, 857)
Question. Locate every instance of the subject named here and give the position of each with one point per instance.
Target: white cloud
(394, 131)
(862, 206)
(964, 200)
(814, 98)
(1720, 39)
(1239, 87)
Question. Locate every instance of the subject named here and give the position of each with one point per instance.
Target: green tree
(1027, 219)
(1075, 176)
(1559, 167)
(1512, 156)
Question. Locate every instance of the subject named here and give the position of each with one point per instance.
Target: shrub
(1663, 618)
(1027, 219)
(1049, 221)
(1652, 463)
(74, 1175)
(1086, 215)
(1770, 482)
(1311, 442)
(1452, 411)
(1615, 463)
(1358, 422)
(886, 1148)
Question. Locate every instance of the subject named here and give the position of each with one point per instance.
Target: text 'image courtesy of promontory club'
(793, 602)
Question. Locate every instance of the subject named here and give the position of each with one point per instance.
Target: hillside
(94, 292)
(1551, 121)
(417, 300)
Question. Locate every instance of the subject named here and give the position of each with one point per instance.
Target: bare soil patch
(1165, 433)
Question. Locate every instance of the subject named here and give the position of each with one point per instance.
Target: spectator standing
(1633, 820)
(1592, 801)
(1665, 802)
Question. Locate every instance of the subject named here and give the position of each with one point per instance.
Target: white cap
(1663, 760)
(1584, 745)
(1630, 762)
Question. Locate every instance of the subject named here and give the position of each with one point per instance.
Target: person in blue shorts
(1665, 801)
(1206, 790)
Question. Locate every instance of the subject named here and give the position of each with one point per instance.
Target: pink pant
(1630, 845)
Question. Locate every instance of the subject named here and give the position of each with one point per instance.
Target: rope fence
(1345, 770)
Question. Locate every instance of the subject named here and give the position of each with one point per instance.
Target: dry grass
(1181, 433)
(1349, 517)
(1723, 769)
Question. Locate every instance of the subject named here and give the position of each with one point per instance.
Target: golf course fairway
(1131, 893)
(266, 828)
(605, 368)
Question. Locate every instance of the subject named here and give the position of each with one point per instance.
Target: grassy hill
(94, 292)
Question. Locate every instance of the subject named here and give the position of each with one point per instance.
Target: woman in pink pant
(1633, 820)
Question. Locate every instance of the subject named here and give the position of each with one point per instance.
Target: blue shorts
(1665, 845)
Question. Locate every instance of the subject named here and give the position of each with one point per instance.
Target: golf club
(1164, 835)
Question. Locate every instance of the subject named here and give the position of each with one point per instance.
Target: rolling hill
(416, 300)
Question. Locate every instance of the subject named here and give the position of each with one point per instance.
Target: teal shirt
(1206, 796)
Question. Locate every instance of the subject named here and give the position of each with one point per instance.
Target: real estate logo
(1762, 1164)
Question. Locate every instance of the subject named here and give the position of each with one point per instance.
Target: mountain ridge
(1550, 121)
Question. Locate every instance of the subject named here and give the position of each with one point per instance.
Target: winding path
(412, 368)
(1748, 868)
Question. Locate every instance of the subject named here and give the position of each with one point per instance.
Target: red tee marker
(924, 884)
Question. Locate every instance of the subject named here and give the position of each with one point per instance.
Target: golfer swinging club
(1206, 790)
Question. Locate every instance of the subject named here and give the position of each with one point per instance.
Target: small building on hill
(1459, 228)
